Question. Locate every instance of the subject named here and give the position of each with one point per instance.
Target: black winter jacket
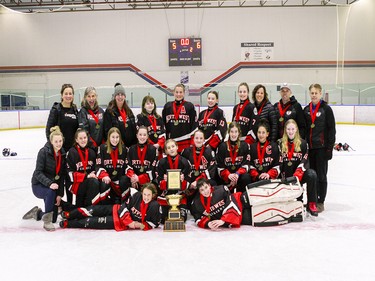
(45, 170)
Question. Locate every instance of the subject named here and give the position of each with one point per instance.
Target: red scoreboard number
(185, 51)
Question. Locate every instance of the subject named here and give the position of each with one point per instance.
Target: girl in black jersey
(140, 212)
(233, 159)
(81, 161)
(141, 161)
(202, 162)
(110, 169)
(264, 155)
(172, 161)
(212, 122)
(243, 114)
(154, 124)
(294, 162)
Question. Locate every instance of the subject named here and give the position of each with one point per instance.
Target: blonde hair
(108, 142)
(297, 138)
(55, 131)
(166, 143)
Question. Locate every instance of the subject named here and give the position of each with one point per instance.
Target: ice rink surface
(337, 245)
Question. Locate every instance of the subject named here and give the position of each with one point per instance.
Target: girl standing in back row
(212, 122)
(180, 118)
(243, 114)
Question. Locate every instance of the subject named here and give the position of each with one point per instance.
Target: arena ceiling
(40, 6)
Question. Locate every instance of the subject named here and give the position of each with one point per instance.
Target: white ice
(337, 245)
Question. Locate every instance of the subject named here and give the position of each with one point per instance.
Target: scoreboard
(185, 51)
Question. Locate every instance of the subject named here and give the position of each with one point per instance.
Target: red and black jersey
(92, 121)
(105, 160)
(265, 110)
(214, 126)
(80, 163)
(128, 129)
(202, 162)
(232, 159)
(141, 160)
(265, 158)
(221, 205)
(290, 110)
(155, 127)
(167, 163)
(136, 210)
(294, 163)
(321, 132)
(243, 114)
(180, 119)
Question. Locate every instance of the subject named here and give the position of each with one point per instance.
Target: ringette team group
(110, 166)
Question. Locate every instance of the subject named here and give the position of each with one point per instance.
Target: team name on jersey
(216, 208)
(136, 212)
(229, 159)
(180, 117)
(243, 120)
(107, 162)
(266, 161)
(209, 121)
(137, 162)
(80, 165)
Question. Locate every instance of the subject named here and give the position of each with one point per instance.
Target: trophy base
(174, 225)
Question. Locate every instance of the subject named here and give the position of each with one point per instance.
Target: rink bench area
(23, 119)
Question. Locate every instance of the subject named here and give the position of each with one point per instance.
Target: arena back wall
(140, 38)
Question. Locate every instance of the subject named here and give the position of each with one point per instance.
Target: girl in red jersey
(180, 118)
(81, 161)
(294, 162)
(233, 159)
(202, 161)
(154, 124)
(172, 161)
(140, 212)
(212, 122)
(141, 161)
(264, 155)
(243, 114)
(118, 114)
(110, 168)
(90, 117)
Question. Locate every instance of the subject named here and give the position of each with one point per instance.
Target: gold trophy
(174, 222)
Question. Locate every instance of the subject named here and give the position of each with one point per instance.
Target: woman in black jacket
(65, 115)
(48, 178)
(118, 114)
(264, 109)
